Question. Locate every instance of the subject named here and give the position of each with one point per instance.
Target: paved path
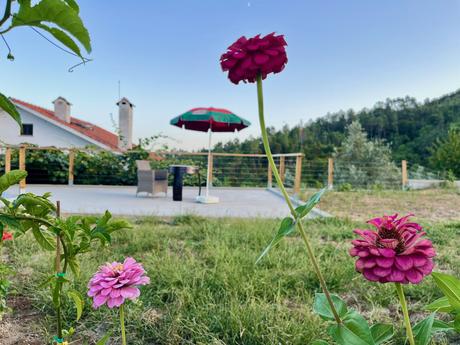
(120, 200)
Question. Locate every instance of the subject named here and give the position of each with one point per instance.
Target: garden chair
(151, 181)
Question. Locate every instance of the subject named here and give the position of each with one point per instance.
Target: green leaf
(423, 330)
(78, 301)
(319, 342)
(74, 266)
(57, 12)
(47, 281)
(450, 286)
(43, 241)
(440, 326)
(10, 221)
(323, 309)
(344, 336)
(10, 108)
(356, 323)
(10, 179)
(456, 323)
(104, 339)
(62, 37)
(303, 210)
(287, 226)
(381, 332)
(73, 4)
(440, 305)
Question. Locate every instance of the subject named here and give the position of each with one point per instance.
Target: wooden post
(282, 168)
(210, 167)
(405, 180)
(298, 174)
(71, 166)
(330, 173)
(8, 160)
(22, 166)
(269, 176)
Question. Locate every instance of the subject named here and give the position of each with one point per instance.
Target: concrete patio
(121, 200)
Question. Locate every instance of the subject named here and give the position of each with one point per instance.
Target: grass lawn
(205, 288)
(428, 204)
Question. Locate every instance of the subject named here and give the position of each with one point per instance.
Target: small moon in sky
(249, 4)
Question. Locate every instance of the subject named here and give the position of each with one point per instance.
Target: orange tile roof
(88, 129)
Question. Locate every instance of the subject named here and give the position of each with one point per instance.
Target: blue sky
(342, 54)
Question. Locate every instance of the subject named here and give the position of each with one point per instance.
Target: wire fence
(49, 165)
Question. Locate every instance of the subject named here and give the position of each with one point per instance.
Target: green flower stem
(7, 13)
(122, 324)
(402, 299)
(58, 270)
(274, 169)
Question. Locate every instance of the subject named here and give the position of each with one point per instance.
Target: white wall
(45, 133)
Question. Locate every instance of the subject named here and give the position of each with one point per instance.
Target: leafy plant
(59, 18)
(69, 238)
(450, 302)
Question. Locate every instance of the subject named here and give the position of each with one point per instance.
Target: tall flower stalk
(303, 234)
(405, 311)
(251, 60)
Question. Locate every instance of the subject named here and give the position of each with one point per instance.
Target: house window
(27, 129)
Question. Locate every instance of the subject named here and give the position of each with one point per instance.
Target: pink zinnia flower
(396, 252)
(7, 236)
(246, 58)
(115, 282)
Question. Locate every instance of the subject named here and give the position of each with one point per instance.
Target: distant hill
(409, 126)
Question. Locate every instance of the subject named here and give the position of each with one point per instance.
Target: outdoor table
(178, 182)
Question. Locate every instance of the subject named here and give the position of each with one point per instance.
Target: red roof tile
(88, 129)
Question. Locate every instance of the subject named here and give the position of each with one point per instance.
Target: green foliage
(205, 286)
(60, 18)
(5, 283)
(10, 179)
(288, 224)
(10, 108)
(76, 235)
(354, 329)
(411, 128)
(446, 153)
(450, 302)
(60, 13)
(364, 163)
(323, 309)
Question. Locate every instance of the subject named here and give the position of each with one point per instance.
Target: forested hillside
(410, 127)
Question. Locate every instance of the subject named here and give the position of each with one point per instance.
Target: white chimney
(125, 124)
(62, 109)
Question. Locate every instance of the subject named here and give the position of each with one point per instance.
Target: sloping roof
(88, 129)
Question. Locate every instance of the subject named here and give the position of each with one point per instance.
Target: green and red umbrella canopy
(210, 120)
(204, 119)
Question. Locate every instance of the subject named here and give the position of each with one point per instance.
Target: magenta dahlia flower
(396, 252)
(246, 58)
(115, 282)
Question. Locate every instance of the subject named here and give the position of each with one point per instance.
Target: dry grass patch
(432, 205)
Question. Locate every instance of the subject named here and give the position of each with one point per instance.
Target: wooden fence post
(298, 174)
(330, 173)
(22, 166)
(8, 160)
(282, 168)
(71, 166)
(269, 176)
(405, 180)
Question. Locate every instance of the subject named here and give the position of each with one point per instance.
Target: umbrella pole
(208, 177)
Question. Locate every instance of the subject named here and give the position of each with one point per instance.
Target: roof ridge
(96, 132)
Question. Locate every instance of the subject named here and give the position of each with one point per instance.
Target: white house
(57, 127)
